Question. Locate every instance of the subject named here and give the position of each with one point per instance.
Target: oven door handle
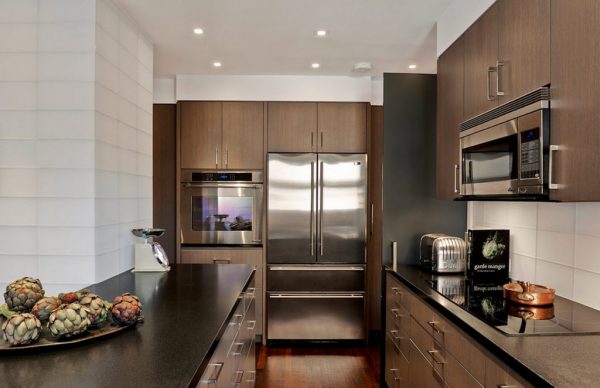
(222, 185)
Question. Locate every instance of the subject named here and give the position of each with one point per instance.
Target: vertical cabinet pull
(551, 184)
(321, 139)
(322, 247)
(499, 65)
(490, 96)
(456, 172)
(372, 213)
(217, 156)
(226, 157)
(312, 139)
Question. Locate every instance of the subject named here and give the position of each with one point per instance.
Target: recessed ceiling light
(412, 66)
(198, 31)
(321, 33)
(217, 64)
(315, 65)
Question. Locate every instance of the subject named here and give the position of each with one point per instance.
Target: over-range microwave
(505, 152)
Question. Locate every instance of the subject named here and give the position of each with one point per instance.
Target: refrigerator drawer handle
(316, 296)
(316, 268)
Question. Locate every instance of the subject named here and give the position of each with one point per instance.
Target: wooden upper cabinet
(449, 116)
(342, 127)
(523, 47)
(292, 126)
(200, 134)
(575, 99)
(481, 55)
(243, 136)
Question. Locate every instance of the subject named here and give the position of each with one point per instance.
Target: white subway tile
(523, 241)
(107, 157)
(126, 238)
(107, 238)
(556, 217)
(128, 64)
(107, 102)
(144, 143)
(67, 183)
(587, 253)
(128, 186)
(67, 269)
(128, 37)
(144, 165)
(65, 124)
(66, 67)
(555, 247)
(66, 212)
(18, 96)
(20, 182)
(106, 129)
(145, 53)
(65, 153)
(77, 241)
(17, 124)
(18, 240)
(107, 265)
(144, 99)
(555, 276)
(144, 121)
(588, 218)
(57, 11)
(107, 74)
(126, 261)
(128, 210)
(17, 153)
(67, 37)
(18, 38)
(128, 88)
(145, 187)
(127, 112)
(107, 16)
(127, 137)
(587, 288)
(18, 66)
(144, 208)
(145, 77)
(521, 214)
(54, 95)
(107, 211)
(522, 268)
(127, 161)
(107, 184)
(18, 211)
(107, 46)
(18, 11)
(15, 267)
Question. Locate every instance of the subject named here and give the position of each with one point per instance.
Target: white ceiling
(276, 37)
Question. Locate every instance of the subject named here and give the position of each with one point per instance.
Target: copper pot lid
(529, 294)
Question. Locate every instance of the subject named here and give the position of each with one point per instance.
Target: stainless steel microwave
(508, 155)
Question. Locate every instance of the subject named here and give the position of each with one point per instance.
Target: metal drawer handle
(237, 380)
(433, 354)
(397, 291)
(239, 346)
(314, 268)
(251, 325)
(396, 313)
(395, 374)
(224, 261)
(216, 371)
(250, 292)
(434, 326)
(505, 386)
(490, 70)
(395, 336)
(237, 319)
(315, 296)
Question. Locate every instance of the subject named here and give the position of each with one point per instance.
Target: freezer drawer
(315, 316)
(315, 278)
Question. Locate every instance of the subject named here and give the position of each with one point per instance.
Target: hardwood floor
(317, 367)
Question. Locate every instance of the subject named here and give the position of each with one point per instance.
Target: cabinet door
(243, 140)
(292, 126)
(200, 134)
(481, 53)
(342, 127)
(523, 47)
(575, 100)
(449, 116)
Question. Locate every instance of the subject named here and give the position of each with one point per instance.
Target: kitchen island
(541, 360)
(186, 310)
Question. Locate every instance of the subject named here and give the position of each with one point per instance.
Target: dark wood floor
(317, 367)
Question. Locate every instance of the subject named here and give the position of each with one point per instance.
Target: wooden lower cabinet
(423, 349)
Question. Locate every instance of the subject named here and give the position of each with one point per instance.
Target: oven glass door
(221, 214)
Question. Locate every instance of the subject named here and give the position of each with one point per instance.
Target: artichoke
(22, 294)
(126, 309)
(69, 320)
(492, 248)
(97, 307)
(43, 307)
(21, 329)
(69, 297)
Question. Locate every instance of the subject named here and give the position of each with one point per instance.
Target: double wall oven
(221, 208)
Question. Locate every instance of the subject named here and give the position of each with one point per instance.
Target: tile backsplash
(554, 244)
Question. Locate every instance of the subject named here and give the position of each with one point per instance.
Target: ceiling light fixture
(198, 31)
(217, 64)
(412, 66)
(315, 65)
(321, 33)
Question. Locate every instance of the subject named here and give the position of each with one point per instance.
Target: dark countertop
(185, 310)
(545, 361)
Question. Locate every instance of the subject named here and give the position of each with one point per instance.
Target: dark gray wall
(410, 207)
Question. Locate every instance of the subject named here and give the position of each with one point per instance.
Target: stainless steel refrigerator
(316, 250)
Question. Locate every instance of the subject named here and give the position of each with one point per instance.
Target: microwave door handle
(470, 172)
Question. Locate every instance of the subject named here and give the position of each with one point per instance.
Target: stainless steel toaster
(443, 254)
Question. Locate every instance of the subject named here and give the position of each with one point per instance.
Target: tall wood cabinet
(450, 93)
(317, 127)
(221, 135)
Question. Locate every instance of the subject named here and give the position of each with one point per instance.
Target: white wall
(455, 20)
(52, 180)
(554, 244)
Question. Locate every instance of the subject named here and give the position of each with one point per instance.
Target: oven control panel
(221, 177)
(530, 154)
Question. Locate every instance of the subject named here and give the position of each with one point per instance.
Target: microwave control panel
(530, 154)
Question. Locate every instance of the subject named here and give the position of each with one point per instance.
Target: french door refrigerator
(316, 251)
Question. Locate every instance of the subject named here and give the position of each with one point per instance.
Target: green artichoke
(97, 307)
(22, 294)
(126, 309)
(69, 320)
(21, 329)
(43, 307)
(492, 248)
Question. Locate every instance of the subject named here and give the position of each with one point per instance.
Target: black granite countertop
(545, 361)
(185, 310)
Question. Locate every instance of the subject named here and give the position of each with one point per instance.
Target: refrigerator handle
(312, 208)
(321, 210)
(394, 254)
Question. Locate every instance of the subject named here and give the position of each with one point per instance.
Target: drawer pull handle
(223, 261)
(237, 319)
(396, 313)
(397, 291)
(238, 346)
(395, 336)
(216, 371)
(433, 354)
(505, 386)
(395, 374)
(434, 326)
(237, 380)
(251, 325)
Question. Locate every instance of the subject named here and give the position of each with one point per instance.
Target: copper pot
(528, 294)
(534, 313)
